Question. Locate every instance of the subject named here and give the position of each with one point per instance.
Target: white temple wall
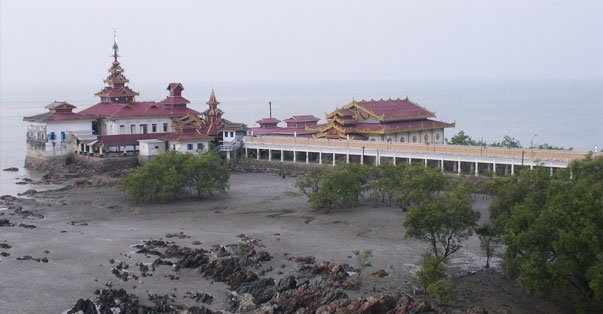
(184, 148)
(54, 138)
(135, 125)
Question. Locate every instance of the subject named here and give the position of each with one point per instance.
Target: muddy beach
(61, 246)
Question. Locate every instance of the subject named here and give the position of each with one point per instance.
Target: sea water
(566, 113)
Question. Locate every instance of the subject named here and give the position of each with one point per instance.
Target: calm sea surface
(566, 113)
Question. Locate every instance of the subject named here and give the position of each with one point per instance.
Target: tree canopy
(552, 228)
(443, 220)
(173, 175)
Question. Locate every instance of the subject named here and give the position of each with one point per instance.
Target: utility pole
(270, 106)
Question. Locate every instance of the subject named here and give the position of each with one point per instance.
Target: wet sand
(261, 206)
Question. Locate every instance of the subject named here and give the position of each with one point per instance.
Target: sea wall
(264, 166)
(105, 164)
(37, 160)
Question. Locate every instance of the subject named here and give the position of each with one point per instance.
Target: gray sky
(69, 42)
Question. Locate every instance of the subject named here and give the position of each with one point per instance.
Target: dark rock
(262, 290)
(5, 223)
(22, 225)
(380, 273)
(200, 297)
(83, 306)
(12, 169)
(30, 258)
(180, 235)
(28, 192)
(4, 254)
(262, 256)
(287, 283)
(228, 270)
(305, 259)
(8, 198)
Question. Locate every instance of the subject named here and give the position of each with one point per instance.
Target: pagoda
(391, 120)
(212, 121)
(116, 90)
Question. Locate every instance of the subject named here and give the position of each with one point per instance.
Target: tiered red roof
(296, 126)
(136, 109)
(358, 119)
(59, 111)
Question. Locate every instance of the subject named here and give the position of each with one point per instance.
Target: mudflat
(61, 246)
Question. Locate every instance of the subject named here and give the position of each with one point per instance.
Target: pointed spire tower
(212, 117)
(116, 90)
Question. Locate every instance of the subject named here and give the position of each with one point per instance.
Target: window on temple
(51, 136)
(132, 129)
(63, 136)
(426, 138)
(165, 127)
(199, 146)
(414, 139)
(143, 128)
(402, 139)
(122, 129)
(189, 146)
(154, 128)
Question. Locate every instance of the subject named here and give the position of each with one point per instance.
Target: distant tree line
(509, 142)
(174, 175)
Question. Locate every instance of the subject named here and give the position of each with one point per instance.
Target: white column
(282, 155)
(333, 159)
(320, 157)
(394, 160)
(246, 155)
(442, 164)
(361, 159)
(258, 154)
(269, 154)
(476, 168)
(459, 167)
(551, 169)
(294, 156)
(228, 155)
(409, 160)
(512, 168)
(347, 158)
(307, 156)
(494, 168)
(426, 161)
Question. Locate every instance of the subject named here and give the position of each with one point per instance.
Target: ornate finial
(115, 46)
(212, 98)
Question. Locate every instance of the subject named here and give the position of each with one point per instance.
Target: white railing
(486, 151)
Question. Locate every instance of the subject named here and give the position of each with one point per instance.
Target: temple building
(296, 126)
(391, 120)
(50, 134)
(119, 125)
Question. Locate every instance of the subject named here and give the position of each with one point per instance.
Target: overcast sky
(69, 42)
